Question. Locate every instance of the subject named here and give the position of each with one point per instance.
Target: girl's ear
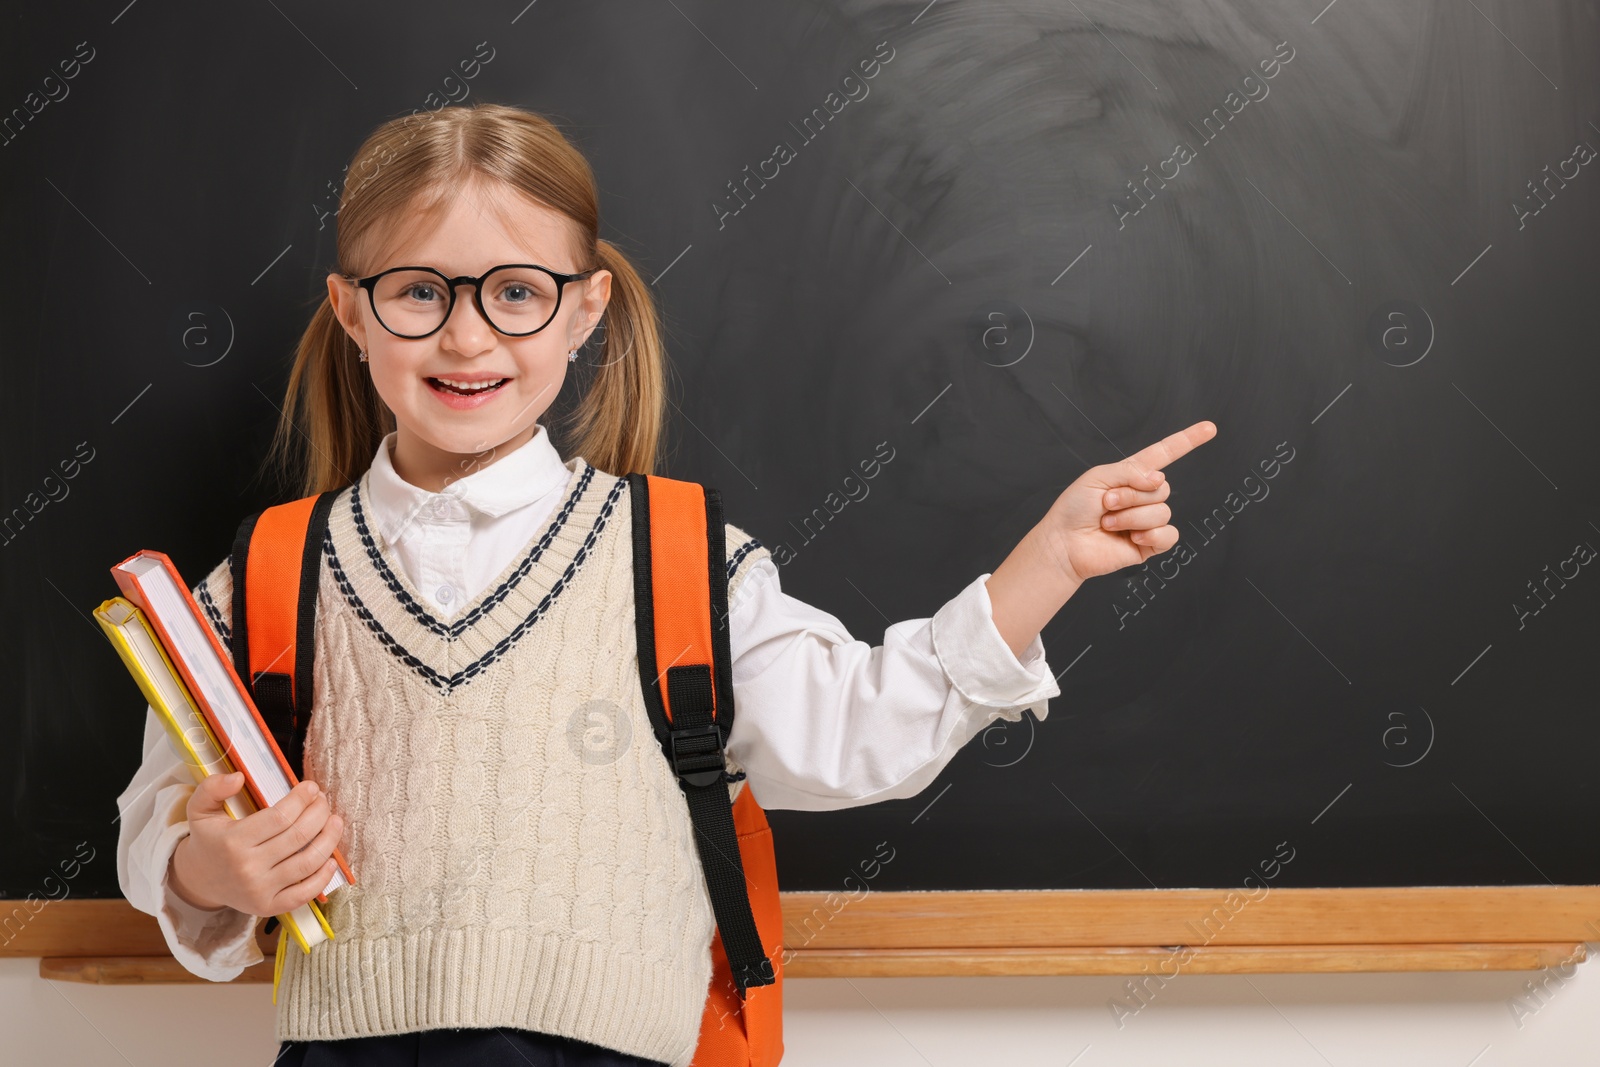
(596, 296)
(344, 296)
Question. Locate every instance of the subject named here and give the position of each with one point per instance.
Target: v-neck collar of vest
(368, 575)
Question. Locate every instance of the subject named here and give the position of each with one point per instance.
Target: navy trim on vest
(739, 555)
(452, 630)
(504, 645)
(214, 613)
(237, 562)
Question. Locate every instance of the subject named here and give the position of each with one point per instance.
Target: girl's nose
(465, 330)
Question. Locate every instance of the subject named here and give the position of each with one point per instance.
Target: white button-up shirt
(822, 720)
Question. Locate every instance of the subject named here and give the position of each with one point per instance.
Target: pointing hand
(1114, 515)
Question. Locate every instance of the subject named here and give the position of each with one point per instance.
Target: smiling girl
(517, 903)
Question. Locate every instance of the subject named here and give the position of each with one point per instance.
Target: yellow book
(136, 642)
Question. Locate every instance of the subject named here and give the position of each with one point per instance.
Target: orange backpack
(681, 616)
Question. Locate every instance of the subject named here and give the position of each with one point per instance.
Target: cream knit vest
(523, 855)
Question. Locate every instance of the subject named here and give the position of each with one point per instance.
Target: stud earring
(363, 356)
(572, 355)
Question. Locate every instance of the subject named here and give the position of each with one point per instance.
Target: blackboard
(1359, 237)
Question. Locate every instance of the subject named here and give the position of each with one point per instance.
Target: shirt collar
(516, 479)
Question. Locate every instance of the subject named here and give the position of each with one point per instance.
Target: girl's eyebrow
(455, 273)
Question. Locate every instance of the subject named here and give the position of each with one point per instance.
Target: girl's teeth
(469, 387)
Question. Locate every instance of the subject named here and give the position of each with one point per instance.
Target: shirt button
(444, 594)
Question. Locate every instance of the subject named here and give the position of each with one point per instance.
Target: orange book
(150, 581)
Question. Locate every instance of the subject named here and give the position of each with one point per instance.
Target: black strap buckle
(697, 753)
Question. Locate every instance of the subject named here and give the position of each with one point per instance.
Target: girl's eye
(516, 294)
(421, 292)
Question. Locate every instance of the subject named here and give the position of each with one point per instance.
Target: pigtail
(617, 425)
(332, 417)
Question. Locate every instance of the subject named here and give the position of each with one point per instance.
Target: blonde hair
(332, 418)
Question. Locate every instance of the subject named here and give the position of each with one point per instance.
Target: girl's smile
(466, 391)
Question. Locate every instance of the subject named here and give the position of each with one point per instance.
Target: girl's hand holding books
(268, 863)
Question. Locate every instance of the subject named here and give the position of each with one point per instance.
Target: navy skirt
(500, 1047)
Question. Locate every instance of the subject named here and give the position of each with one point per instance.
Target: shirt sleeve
(825, 721)
(153, 817)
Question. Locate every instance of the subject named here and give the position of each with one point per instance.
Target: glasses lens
(519, 299)
(411, 302)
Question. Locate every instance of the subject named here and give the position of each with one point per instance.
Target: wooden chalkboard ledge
(997, 932)
(903, 963)
(137, 970)
(1173, 960)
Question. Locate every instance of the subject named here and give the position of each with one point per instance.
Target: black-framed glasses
(517, 299)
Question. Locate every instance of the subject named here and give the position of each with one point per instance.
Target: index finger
(1170, 448)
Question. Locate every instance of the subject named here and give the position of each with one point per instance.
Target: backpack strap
(277, 558)
(681, 615)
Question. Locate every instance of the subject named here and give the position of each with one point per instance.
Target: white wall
(1414, 1020)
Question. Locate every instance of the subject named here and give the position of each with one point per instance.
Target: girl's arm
(153, 817)
(824, 721)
